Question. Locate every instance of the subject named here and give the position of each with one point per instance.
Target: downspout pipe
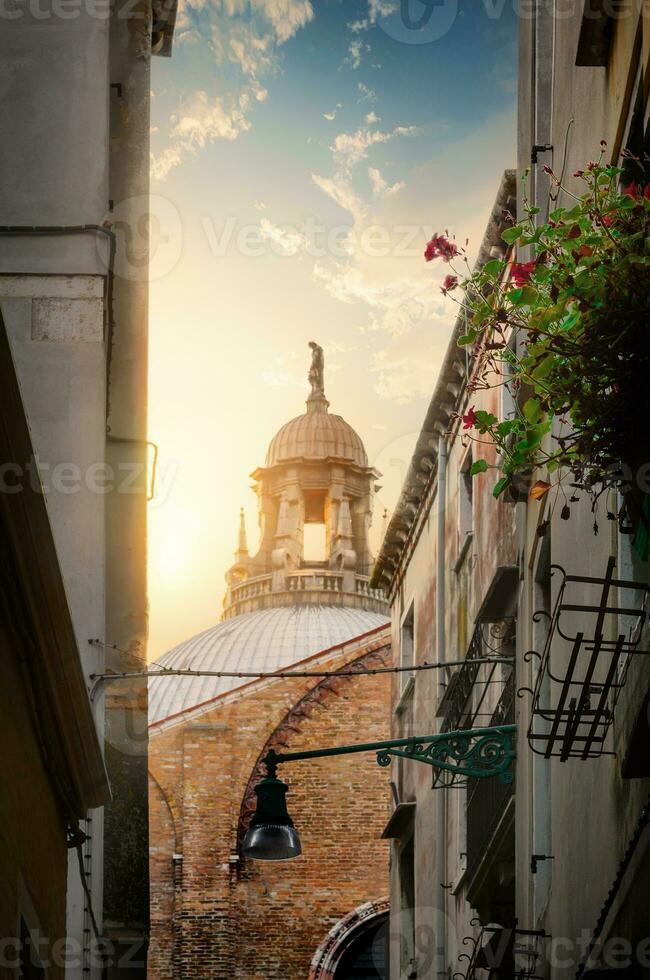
(440, 893)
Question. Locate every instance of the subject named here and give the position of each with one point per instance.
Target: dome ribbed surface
(316, 435)
(265, 640)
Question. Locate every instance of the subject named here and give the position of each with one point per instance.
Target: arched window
(357, 946)
(366, 958)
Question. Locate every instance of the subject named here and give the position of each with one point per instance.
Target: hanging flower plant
(568, 332)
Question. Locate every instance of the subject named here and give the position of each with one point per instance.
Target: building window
(407, 646)
(314, 543)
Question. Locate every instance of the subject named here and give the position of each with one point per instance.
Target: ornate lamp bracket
(478, 753)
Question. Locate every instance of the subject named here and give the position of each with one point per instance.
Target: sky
(303, 151)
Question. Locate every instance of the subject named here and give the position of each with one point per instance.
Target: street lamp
(478, 753)
(272, 836)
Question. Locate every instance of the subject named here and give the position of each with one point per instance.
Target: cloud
(188, 37)
(376, 9)
(351, 148)
(396, 305)
(331, 115)
(244, 38)
(366, 94)
(288, 241)
(355, 51)
(372, 118)
(381, 8)
(259, 205)
(285, 16)
(380, 185)
(340, 189)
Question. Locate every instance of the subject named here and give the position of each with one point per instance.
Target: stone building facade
(546, 877)
(74, 297)
(213, 912)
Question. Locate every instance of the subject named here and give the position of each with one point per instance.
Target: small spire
(242, 548)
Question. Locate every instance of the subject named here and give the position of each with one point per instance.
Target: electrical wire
(366, 671)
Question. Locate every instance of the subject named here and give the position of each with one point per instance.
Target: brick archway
(338, 940)
(375, 654)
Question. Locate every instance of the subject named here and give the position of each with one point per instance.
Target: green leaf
(468, 338)
(544, 369)
(532, 410)
(523, 296)
(485, 419)
(500, 486)
(493, 267)
(505, 428)
(510, 235)
(478, 466)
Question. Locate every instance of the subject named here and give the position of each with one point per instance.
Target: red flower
(449, 283)
(469, 420)
(632, 190)
(646, 192)
(521, 272)
(574, 232)
(440, 248)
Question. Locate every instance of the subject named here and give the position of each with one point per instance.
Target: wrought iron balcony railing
(502, 952)
(583, 666)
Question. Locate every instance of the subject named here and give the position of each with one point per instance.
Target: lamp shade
(271, 836)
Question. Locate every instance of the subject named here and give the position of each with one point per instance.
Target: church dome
(316, 435)
(265, 640)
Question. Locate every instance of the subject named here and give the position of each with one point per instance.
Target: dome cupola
(315, 486)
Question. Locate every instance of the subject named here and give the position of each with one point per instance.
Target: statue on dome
(316, 370)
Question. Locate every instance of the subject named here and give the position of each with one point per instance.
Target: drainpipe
(440, 894)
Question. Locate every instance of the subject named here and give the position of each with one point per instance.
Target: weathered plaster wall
(581, 812)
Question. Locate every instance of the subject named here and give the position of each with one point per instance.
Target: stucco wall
(582, 813)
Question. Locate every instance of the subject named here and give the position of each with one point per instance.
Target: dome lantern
(315, 494)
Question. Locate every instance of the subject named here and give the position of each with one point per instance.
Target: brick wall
(217, 915)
